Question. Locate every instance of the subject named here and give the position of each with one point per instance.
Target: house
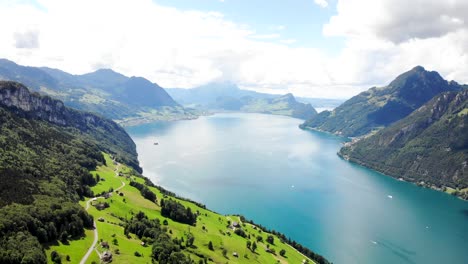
(106, 256)
(104, 244)
(235, 224)
(235, 254)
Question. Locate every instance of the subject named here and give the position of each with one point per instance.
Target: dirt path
(96, 236)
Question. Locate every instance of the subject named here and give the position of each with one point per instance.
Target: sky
(313, 48)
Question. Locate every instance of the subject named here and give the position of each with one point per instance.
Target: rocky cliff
(112, 138)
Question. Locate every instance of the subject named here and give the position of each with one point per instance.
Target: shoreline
(136, 121)
(444, 189)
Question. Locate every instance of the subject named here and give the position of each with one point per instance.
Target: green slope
(429, 147)
(52, 162)
(379, 107)
(126, 203)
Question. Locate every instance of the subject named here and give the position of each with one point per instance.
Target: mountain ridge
(22, 102)
(226, 96)
(429, 146)
(379, 107)
(103, 91)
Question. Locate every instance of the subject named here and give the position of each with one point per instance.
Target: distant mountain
(207, 95)
(326, 103)
(379, 107)
(103, 91)
(429, 145)
(281, 105)
(227, 96)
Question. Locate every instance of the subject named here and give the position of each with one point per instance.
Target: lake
(267, 169)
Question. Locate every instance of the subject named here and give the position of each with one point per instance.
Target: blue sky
(302, 20)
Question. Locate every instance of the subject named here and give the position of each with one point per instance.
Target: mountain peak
(418, 69)
(106, 72)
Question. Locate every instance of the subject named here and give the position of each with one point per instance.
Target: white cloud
(189, 48)
(398, 20)
(321, 3)
(266, 36)
(385, 38)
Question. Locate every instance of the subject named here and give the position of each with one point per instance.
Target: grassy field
(210, 226)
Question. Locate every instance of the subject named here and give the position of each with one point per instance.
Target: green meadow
(227, 247)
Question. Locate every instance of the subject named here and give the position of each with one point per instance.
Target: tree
(249, 243)
(190, 239)
(270, 239)
(55, 257)
(225, 252)
(254, 246)
(210, 246)
(282, 252)
(240, 232)
(259, 238)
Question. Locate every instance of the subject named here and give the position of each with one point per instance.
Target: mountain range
(225, 96)
(429, 147)
(104, 91)
(414, 129)
(379, 107)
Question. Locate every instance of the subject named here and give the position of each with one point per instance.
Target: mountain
(46, 153)
(70, 177)
(282, 105)
(430, 146)
(207, 95)
(104, 91)
(379, 107)
(109, 136)
(227, 96)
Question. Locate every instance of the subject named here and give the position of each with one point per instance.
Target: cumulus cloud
(27, 40)
(321, 3)
(398, 20)
(177, 48)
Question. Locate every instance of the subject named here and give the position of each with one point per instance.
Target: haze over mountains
(132, 100)
(226, 96)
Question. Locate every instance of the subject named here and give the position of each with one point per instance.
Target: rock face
(18, 99)
(430, 145)
(379, 107)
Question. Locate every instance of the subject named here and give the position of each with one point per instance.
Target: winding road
(96, 236)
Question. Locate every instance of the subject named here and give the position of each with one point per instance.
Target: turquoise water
(264, 167)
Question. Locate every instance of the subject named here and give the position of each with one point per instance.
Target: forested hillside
(429, 147)
(46, 153)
